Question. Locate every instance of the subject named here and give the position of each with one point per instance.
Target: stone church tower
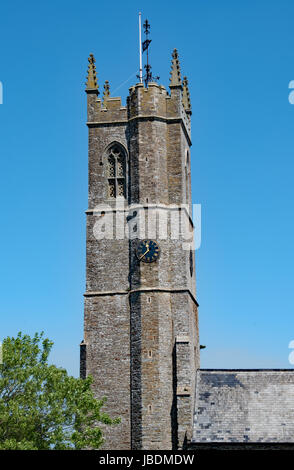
(141, 324)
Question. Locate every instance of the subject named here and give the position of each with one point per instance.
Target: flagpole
(140, 49)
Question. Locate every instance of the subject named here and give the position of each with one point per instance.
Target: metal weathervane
(144, 46)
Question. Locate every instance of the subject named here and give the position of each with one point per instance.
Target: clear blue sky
(239, 59)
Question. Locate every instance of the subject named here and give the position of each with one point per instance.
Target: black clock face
(147, 251)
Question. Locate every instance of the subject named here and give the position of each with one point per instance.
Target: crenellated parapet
(101, 111)
(142, 102)
(147, 102)
(109, 108)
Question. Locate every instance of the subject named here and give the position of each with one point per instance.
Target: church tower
(140, 323)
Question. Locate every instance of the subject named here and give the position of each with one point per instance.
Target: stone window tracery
(116, 172)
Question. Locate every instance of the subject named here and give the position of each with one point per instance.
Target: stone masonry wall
(141, 326)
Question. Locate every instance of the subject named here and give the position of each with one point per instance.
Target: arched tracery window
(116, 171)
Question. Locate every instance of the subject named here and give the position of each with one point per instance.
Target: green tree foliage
(41, 407)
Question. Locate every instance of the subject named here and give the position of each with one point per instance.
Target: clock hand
(144, 254)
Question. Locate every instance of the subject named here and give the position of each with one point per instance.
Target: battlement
(149, 101)
(142, 102)
(110, 110)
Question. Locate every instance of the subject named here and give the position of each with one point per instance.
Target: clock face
(147, 251)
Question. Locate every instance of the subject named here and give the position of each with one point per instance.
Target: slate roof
(244, 406)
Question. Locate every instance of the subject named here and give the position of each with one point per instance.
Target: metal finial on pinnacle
(148, 77)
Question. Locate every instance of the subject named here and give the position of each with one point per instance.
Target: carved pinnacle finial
(186, 96)
(91, 83)
(106, 93)
(175, 74)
